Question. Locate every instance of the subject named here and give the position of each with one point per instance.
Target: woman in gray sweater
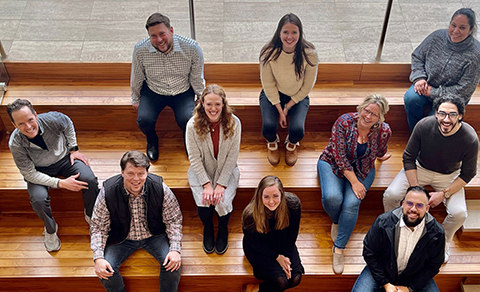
(447, 61)
(213, 142)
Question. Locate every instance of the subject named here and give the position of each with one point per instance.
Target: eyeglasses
(369, 112)
(443, 115)
(419, 206)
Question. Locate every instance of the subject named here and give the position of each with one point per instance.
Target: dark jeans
(296, 115)
(366, 283)
(157, 246)
(152, 104)
(39, 194)
(415, 107)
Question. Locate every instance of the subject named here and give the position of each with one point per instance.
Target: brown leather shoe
(273, 155)
(291, 153)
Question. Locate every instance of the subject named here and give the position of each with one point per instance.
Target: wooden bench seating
(96, 97)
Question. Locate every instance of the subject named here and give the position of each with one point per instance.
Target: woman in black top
(270, 225)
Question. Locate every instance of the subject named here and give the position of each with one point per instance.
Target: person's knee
(459, 215)
(331, 199)
(410, 97)
(145, 121)
(296, 280)
(281, 283)
(39, 199)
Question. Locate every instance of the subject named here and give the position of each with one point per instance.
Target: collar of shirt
(127, 193)
(421, 225)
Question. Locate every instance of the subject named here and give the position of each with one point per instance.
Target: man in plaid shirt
(167, 70)
(135, 210)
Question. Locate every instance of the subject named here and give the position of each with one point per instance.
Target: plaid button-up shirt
(172, 217)
(167, 74)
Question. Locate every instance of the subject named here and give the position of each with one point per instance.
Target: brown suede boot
(273, 155)
(291, 152)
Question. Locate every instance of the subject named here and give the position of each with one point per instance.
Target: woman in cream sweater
(288, 71)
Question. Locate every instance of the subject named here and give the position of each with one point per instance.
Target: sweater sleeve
(418, 60)
(269, 83)
(27, 168)
(194, 153)
(232, 155)
(309, 78)
(465, 86)
(294, 226)
(410, 153)
(468, 169)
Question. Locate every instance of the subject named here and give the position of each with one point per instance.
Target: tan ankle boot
(273, 155)
(291, 152)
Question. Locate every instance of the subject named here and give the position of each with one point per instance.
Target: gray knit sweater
(59, 135)
(450, 68)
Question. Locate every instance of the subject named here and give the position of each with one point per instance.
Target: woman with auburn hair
(346, 167)
(213, 142)
(270, 225)
(288, 71)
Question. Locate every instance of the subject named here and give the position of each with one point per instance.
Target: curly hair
(200, 118)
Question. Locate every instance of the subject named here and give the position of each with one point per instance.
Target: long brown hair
(200, 118)
(254, 216)
(272, 50)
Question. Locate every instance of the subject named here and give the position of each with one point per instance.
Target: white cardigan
(204, 167)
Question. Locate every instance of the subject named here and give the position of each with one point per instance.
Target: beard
(410, 223)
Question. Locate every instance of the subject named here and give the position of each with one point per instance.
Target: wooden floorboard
(23, 258)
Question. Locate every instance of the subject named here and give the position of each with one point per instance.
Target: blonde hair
(379, 100)
(200, 118)
(254, 216)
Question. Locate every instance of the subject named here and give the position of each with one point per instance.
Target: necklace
(214, 125)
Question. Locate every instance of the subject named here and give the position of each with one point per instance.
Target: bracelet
(287, 107)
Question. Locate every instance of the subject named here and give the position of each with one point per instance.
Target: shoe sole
(208, 251)
(223, 251)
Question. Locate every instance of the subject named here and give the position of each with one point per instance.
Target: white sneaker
(447, 253)
(52, 242)
(88, 219)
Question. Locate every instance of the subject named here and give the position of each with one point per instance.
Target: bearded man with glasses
(441, 152)
(404, 248)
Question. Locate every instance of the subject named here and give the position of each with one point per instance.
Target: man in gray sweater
(441, 152)
(43, 147)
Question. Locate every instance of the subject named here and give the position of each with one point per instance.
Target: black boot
(206, 215)
(222, 236)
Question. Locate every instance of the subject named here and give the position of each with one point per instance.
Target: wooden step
(25, 263)
(471, 228)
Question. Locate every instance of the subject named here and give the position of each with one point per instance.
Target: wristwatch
(74, 148)
(447, 194)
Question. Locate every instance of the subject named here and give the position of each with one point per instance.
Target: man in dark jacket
(136, 210)
(404, 248)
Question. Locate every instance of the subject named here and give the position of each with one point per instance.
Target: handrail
(3, 55)
(4, 78)
(384, 30)
(192, 19)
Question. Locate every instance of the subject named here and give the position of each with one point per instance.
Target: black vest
(116, 199)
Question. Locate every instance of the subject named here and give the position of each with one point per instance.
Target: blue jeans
(297, 115)
(152, 104)
(415, 107)
(339, 200)
(366, 283)
(157, 246)
(40, 199)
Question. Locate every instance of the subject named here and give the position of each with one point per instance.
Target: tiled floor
(227, 30)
